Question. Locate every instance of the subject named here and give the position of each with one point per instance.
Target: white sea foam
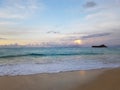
(35, 68)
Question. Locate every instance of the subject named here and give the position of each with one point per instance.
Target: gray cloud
(96, 35)
(53, 32)
(74, 37)
(2, 38)
(90, 4)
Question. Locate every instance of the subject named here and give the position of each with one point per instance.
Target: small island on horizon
(100, 46)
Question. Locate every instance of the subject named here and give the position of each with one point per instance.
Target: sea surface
(27, 60)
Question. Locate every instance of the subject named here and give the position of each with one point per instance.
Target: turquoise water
(23, 61)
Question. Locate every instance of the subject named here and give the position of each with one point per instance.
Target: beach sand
(77, 80)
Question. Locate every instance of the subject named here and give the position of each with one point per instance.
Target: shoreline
(100, 79)
(34, 74)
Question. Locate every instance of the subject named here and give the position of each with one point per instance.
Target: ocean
(34, 60)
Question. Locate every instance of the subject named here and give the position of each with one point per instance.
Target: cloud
(3, 39)
(4, 23)
(90, 4)
(18, 9)
(96, 35)
(83, 37)
(53, 32)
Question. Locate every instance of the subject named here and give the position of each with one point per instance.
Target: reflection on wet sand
(82, 73)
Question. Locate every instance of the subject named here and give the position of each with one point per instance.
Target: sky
(60, 22)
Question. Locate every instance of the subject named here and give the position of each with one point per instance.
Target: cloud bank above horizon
(52, 22)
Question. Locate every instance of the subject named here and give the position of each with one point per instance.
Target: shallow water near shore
(24, 61)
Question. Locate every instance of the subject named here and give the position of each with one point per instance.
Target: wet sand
(76, 80)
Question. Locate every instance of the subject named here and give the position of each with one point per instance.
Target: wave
(41, 55)
(35, 68)
(22, 55)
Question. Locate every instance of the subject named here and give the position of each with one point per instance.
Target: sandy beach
(77, 80)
